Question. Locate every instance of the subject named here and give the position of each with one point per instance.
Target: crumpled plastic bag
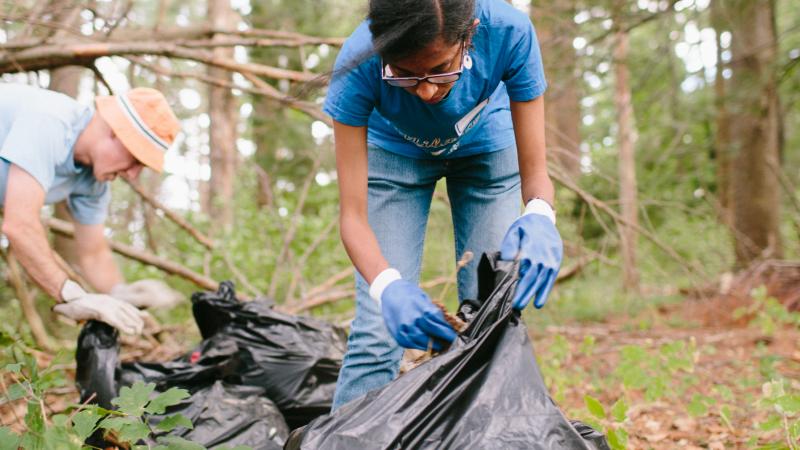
(485, 392)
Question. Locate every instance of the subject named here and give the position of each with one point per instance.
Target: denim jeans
(484, 192)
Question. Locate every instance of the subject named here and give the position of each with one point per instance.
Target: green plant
(139, 416)
(781, 429)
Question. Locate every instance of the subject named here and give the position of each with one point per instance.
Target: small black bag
(485, 392)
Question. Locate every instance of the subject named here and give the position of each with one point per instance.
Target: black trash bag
(295, 359)
(486, 392)
(97, 359)
(208, 362)
(224, 414)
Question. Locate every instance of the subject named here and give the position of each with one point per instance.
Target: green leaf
(619, 410)
(132, 399)
(725, 414)
(16, 392)
(697, 407)
(14, 368)
(177, 443)
(772, 423)
(789, 403)
(616, 440)
(6, 339)
(84, 422)
(171, 397)
(174, 421)
(594, 407)
(8, 439)
(34, 419)
(133, 431)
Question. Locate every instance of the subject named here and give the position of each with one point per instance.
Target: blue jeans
(484, 192)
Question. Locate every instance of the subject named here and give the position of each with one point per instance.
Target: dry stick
(465, 259)
(196, 234)
(171, 215)
(71, 273)
(26, 302)
(294, 222)
(262, 88)
(301, 262)
(594, 202)
(67, 229)
(330, 282)
(53, 56)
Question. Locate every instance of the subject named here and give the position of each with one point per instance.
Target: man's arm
(95, 257)
(24, 229)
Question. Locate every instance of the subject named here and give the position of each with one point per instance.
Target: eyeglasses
(439, 78)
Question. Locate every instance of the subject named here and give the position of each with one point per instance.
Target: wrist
(380, 283)
(71, 290)
(538, 205)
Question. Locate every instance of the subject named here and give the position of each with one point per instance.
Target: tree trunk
(223, 112)
(627, 161)
(555, 28)
(722, 135)
(65, 80)
(754, 130)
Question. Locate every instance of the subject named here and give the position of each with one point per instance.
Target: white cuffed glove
(80, 305)
(147, 294)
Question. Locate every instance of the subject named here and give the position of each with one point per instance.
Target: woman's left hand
(534, 239)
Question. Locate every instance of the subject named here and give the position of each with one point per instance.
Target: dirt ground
(732, 352)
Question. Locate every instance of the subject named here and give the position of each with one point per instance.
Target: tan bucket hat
(144, 123)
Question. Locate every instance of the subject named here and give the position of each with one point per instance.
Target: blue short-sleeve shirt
(504, 63)
(38, 129)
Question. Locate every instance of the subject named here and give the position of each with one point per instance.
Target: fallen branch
(46, 57)
(27, 303)
(68, 230)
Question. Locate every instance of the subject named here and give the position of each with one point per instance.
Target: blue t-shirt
(504, 63)
(38, 129)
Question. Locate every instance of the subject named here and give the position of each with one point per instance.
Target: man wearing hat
(52, 148)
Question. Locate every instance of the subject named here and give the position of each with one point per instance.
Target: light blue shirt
(504, 62)
(38, 129)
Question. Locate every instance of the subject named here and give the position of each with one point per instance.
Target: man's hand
(409, 314)
(147, 294)
(534, 239)
(80, 305)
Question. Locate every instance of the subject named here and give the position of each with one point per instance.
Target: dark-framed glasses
(438, 78)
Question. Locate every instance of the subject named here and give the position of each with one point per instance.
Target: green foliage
(129, 424)
(767, 312)
(782, 400)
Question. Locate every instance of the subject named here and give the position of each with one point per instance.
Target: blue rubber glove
(533, 238)
(412, 319)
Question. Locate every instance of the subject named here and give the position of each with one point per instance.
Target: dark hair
(401, 28)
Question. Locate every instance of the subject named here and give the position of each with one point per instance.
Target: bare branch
(67, 229)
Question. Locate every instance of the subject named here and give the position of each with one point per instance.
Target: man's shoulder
(46, 104)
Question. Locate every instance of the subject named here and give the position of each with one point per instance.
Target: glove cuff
(539, 206)
(380, 283)
(71, 291)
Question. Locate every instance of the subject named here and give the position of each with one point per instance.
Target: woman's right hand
(412, 318)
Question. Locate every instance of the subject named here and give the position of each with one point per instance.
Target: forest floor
(736, 343)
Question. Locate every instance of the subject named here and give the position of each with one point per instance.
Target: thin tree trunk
(627, 161)
(555, 28)
(755, 130)
(722, 136)
(222, 132)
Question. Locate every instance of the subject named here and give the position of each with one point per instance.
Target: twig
(330, 282)
(293, 224)
(691, 268)
(301, 262)
(465, 259)
(67, 229)
(206, 241)
(26, 302)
